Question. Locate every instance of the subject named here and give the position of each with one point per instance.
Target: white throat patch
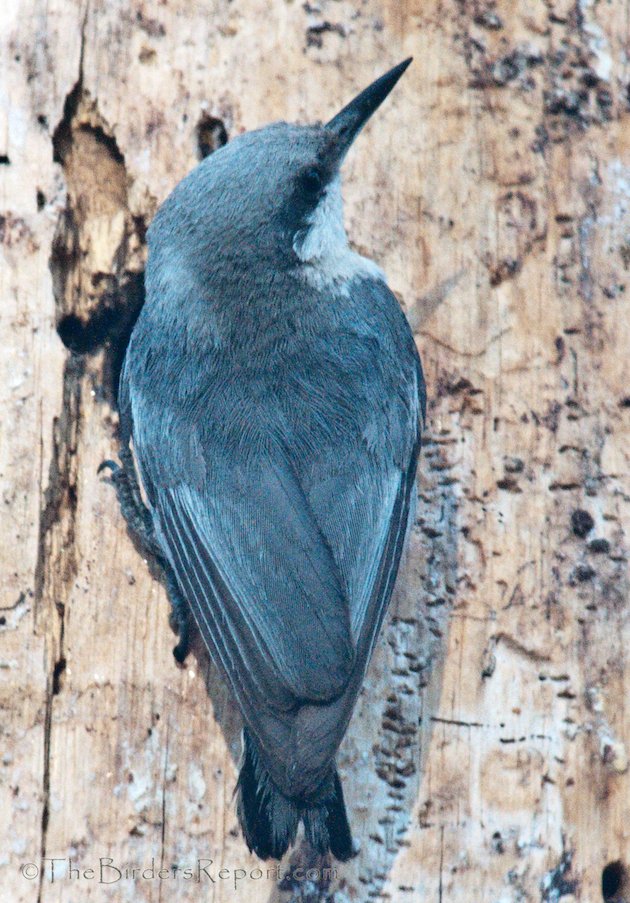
(323, 246)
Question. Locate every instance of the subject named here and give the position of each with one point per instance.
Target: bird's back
(284, 463)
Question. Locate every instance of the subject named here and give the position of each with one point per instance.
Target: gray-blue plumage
(274, 395)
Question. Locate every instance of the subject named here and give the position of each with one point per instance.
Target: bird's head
(269, 197)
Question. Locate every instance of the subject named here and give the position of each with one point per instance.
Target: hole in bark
(599, 546)
(133, 301)
(4, 160)
(615, 882)
(108, 142)
(83, 336)
(62, 137)
(59, 668)
(96, 307)
(211, 135)
(581, 523)
(110, 325)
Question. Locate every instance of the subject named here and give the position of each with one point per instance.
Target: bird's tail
(270, 820)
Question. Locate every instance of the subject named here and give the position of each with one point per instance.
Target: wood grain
(488, 756)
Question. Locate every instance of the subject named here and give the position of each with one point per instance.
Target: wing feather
(250, 551)
(287, 546)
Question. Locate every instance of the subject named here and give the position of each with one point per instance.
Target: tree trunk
(487, 759)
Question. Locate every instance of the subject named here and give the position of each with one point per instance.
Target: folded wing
(282, 508)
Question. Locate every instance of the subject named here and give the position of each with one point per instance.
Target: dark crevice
(106, 322)
(561, 79)
(107, 141)
(559, 882)
(62, 136)
(56, 565)
(60, 667)
(45, 788)
(118, 339)
(65, 255)
(109, 328)
(211, 135)
(615, 882)
(4, 160)
(95, 310)
(60, 493)
(581, 522)
(60, 498)
(58, 569)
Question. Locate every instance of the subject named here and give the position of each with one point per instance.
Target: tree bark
(487, 759)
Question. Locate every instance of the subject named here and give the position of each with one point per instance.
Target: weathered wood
(488, 756)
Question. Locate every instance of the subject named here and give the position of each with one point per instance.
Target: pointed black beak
(347, 124)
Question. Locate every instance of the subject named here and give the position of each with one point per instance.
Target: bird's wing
(364, 513)
(360, 483)
(253, 548)
(359, 479)
(282, 510)
(249, 557)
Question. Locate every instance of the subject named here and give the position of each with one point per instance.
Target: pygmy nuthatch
(274, 396)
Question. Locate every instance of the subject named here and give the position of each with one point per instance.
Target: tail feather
(341, 845)
(316, 829)
(270, 820)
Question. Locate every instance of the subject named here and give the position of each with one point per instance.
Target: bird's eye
(311, 181)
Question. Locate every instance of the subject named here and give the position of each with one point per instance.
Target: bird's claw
(108, 465)
(179, 623)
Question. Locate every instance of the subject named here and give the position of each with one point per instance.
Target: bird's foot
(179, 618)
(140, 525)
(133, 509)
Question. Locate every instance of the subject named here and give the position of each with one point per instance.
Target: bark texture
(488, 756)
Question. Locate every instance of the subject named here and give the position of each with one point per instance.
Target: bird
(271, 405)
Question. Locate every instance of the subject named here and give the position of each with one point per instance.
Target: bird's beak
(347, 124)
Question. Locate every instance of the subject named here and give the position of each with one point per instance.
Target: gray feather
(280, 489)
(275, 404)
